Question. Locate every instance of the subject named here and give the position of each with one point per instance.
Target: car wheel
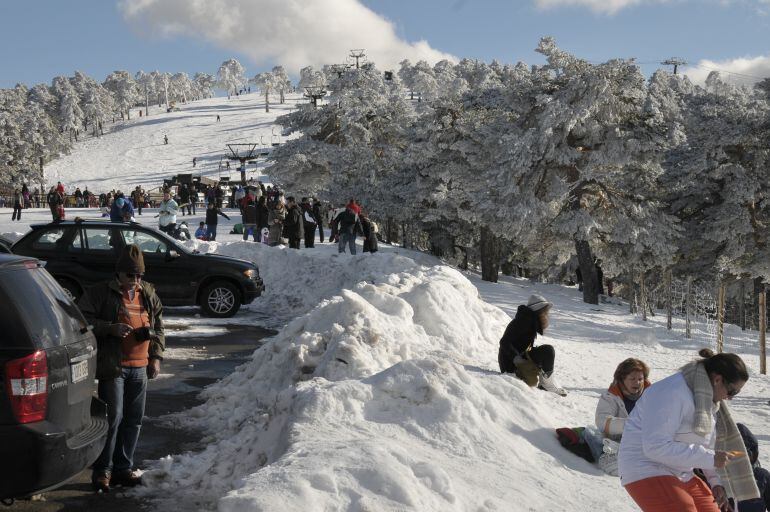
(71, 288)
(220, 299)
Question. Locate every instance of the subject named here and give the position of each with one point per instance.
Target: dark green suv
(82, 253)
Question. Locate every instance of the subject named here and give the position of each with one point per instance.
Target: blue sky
(40, 39)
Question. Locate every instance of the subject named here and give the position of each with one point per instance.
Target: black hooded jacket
(518, 337)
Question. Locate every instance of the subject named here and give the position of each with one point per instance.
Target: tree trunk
(267, 103)
(741, 304)
(721, 317)
(403, 233)
(588, 270)
(762, 333)
(669, 306)
(643, 296)
(688, 310)
(759, 288)
(490, 255)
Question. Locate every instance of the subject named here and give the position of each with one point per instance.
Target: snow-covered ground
(381, 389)
(133, 153)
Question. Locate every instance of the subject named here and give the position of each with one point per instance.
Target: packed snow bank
(382, 395)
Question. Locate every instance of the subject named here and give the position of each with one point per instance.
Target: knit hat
(119, 202)
(131, 260)
(537, 302)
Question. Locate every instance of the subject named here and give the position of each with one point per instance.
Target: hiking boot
(548, 383)
(100, 481)
(126, 478)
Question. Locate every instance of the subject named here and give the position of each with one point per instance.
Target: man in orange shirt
(127, 316)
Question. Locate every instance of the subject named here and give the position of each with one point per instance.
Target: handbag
(526, 369)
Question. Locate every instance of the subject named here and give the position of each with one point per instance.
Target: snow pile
(385, 396)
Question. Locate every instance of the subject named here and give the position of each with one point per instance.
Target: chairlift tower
(315, 93)
(674, 61)
(357, 54)
(242, 153)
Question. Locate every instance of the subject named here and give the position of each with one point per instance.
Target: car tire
(71, 288)
(220, 299)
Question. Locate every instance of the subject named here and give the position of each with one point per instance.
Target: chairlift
(275, 139)
(264, 150)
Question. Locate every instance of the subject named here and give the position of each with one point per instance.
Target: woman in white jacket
(673, 429)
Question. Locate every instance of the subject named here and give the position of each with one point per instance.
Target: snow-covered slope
(134, 153)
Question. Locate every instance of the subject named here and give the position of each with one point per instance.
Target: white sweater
(610, 417)
(658, 439)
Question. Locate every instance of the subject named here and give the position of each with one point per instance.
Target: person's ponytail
(730, 366)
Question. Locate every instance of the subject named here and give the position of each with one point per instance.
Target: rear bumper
(39, 456)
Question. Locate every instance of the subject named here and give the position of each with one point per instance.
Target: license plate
(79, 371)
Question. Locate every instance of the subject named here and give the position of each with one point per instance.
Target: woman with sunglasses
(681, 423)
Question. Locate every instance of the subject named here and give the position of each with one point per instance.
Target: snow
(381, 390)
(133, 153)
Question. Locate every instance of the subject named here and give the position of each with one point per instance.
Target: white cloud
(599, 6)
(292, 33)
(744, 71)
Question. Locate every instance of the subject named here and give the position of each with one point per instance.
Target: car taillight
(26, 381)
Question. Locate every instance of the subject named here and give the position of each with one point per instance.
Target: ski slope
(133, 152)
(381, 389)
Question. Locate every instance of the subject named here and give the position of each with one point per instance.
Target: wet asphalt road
(177, 392)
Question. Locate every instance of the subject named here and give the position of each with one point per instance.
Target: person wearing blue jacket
(121, 210)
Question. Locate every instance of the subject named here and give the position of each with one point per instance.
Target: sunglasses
(731, 391)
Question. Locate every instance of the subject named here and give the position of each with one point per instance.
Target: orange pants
(669, 494)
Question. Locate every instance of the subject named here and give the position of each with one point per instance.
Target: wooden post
(669, 306)
(721, 317)
(643, 296)
(688, 309)
(762, 332)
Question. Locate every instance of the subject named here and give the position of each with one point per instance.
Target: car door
(164, 265)
(95, 249)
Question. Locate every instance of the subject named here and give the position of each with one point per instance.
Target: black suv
(82, 253)
(51, 425)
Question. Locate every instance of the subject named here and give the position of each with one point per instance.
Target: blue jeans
(250, 228)
(595, 441)
(211, 232)
(125, 397)
(349, 239)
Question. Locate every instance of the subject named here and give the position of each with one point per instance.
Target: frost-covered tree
(145, 84)
(282, 82)
(69, 113)
(406, 73)
(124, 91)
(268, 83)
(181, 87)
(203, 85)
(717, 181)
(231, 76)
(309, 77)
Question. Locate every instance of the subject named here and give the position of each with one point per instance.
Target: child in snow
(533, 365)
(200, 233)
(616, 403)
(675, 428)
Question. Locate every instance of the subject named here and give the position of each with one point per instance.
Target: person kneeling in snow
(200, 233)
(533, 365)
(616, 403)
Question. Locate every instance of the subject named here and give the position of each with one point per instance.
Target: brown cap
(131, 260)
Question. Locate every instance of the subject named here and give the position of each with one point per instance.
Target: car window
(98, 239)
(41, 311)
(76, 245)
(147, 242)
(48, 239)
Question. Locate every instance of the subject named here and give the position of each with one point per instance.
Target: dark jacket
(249, 207)
(54, 199)
(117, 213)
(519, 337)
(307, 211)
(761, 475)
(211, 216)
(293, 226)
(262, 214)
(100, 305)
(370, 242)
(347, 222)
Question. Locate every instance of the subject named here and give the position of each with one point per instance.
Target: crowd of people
(674, 444)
